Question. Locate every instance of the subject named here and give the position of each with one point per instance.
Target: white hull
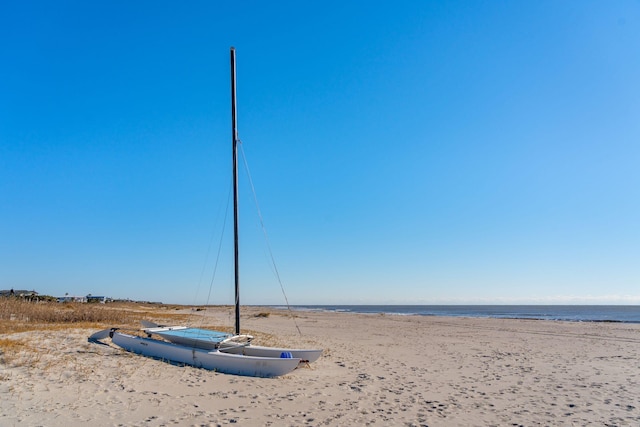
(213, 360)
(259, 351)
(199, 338)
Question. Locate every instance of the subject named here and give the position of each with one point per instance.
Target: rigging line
(224, 227)
(217, 261)
(266, 237)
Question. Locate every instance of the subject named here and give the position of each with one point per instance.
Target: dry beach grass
(376, 370)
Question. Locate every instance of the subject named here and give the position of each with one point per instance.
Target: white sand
(382, 370)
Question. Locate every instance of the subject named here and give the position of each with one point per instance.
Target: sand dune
(382, 370)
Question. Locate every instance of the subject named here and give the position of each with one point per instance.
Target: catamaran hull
(212, 360)
(272, 352)
(209, 340)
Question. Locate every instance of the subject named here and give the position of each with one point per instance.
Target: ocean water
(574, 313)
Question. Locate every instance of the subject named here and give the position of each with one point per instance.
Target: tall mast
(234, 135)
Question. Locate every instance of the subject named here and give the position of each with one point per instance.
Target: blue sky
(407, 152)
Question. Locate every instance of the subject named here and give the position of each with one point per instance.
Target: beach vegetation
(17, 352)
(19, 315)
(10, 347)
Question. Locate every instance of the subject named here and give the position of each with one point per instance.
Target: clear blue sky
(402, 152)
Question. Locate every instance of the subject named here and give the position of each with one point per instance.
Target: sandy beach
(376, 370)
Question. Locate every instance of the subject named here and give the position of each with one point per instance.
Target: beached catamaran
(203, 348)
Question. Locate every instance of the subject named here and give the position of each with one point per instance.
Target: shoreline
(470, 311)
(376, 370)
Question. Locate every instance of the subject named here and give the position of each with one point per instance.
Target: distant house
(19, 293)
(94, 298)
(71, 298)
